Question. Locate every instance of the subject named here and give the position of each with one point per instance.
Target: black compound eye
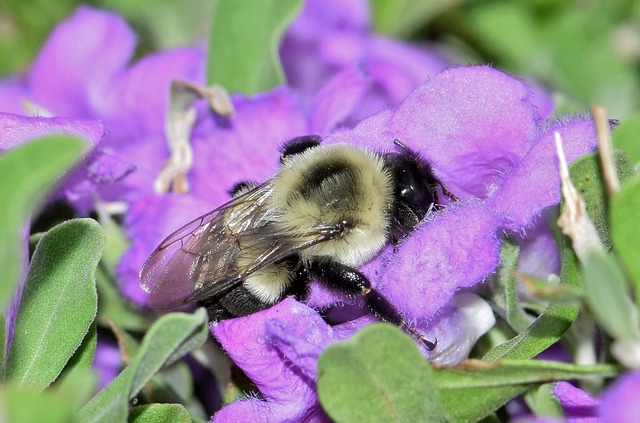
(415, 193)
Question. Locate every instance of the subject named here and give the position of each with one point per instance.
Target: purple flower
(278, 349)
(107, 361)
(92, 79)
(618, 403)
(579, 406)
(332, 37)
(480, 129)
(16, 130)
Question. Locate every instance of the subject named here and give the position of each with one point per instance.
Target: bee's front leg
(349, 280)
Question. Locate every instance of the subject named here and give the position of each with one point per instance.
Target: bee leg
(349, 280)
(297, 145)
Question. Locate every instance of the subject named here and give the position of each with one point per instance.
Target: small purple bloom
(330, 37)
(619, 403)
(579, 406)
(278, 349)
(107, 361)
(93, 80)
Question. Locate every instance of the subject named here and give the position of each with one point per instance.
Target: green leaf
(549, 326)
(79, 365)
(244, 42)
(516, 316)
(173, 23)
(626, 138)
(172, 336)
(112, 305)
(587, 176)
(27, 404)
(476, 389)
(77, 388)
(58, 304)
(159, 413)
(625, 230)
(543, 402)
(400, 18)
(609, 296)
(378, 375)
(567, 46)
(28, 173)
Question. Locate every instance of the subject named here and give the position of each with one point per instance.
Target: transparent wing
(211, 255)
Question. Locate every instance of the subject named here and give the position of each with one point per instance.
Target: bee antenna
(400, 144)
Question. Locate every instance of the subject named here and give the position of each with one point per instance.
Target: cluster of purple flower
(489, 138)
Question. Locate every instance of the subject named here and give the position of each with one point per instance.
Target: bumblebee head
(415, 190)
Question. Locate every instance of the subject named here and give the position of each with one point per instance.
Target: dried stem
(605, 146)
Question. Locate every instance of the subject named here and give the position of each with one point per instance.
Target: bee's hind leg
(349, 280)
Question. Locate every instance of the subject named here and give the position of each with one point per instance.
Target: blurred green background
(588, 51)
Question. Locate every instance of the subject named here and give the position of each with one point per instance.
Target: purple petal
(454, 250)
(148, 154)
(535, 184)
(246, 145)
(579, 406)
(400, 67)
(137, 99)
(336, 101)
(539, 254)
(78, 61)
(458, 327)
(301, 340)
(317, 16)
(619, 402)
(287, 388)
(15, 130)
(12, 93)
(107, 361)
(472, 123)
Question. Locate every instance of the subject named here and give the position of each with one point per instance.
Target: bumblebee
(327, 210)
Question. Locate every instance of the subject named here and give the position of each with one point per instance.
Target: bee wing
(211, 255)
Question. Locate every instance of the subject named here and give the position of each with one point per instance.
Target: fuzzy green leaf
(244, 42)
(58, 304)
(27, 404)
(515, 314)
(476, 389)
(549, 326)
(159, 413)
(587, 176)
(609, 296)
(79, 365)
(625, 230)
(172, 336)
(28, 173)
(378, 375)
(403, 17)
